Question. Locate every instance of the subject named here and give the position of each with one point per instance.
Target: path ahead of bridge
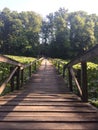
(45, 103)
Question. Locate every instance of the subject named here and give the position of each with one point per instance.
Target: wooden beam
(70, 80)
(30, 70)
(2, 87)
(12, 79)
(76, 81)
(22, 77)
(18, 78)
(10, 61)
(84, 82)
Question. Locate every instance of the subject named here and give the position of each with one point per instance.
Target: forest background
(61, 34)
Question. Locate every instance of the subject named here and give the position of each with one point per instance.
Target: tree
(56, 33)
(5, 29)
(60, 35)
(94, 18)
(31, 28)
(81, 31)
(62, 32)
(19, 32)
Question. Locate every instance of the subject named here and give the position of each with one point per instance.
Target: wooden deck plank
(13, 113)
(47, 126)
(49, 119)
(46, 108)
(44, 103)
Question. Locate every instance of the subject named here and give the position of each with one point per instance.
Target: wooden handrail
(27, 65)
(9, 60)
(87, 55)
(2, 87)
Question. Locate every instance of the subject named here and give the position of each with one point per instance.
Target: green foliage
(19, 32)
(95, 103)
(68, 34)
(92, 80)
(81, 32)
(61, 34)
(55, 34)
(4, 71)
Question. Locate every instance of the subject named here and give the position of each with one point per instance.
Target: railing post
(63, 71)
(35, 65)
(22, 77)
(79, 76)
(12, 80)
(30, 70)
(84, 81)
(18, 78)
(70, 80)
(58, 66)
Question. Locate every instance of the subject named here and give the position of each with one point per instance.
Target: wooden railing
(81, 77)
(16, 77)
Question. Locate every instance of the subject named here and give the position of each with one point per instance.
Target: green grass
(94, 102)
(22, 59)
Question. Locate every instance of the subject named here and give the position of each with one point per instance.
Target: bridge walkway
(46, 103)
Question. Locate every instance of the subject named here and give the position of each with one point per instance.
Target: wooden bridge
(45, 102)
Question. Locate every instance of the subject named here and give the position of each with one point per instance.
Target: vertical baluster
(18, 78)
(84, 82)
(70, 80)
(63, 71)
(35, 65)
(22, 77)
(58, 66)
(30, 70)
(12, 80)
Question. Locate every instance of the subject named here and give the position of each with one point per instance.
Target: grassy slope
(22, 59)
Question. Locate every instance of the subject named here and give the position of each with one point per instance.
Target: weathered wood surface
(9, 60)
(2, 87)
(45, 103)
